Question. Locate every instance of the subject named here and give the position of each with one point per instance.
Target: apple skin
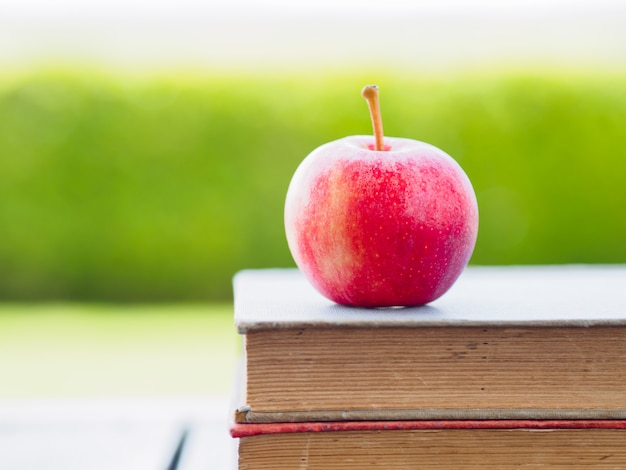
(386, 228)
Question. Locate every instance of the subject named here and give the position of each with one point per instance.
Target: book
(544, 342)
(432, 444)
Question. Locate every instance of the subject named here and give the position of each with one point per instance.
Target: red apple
(375, 222)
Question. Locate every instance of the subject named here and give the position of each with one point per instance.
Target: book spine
(239, 430)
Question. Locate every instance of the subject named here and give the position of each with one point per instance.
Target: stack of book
(515, 366)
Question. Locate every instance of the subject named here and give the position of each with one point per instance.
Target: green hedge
(126, 189)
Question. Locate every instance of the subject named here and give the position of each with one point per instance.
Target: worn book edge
(246, 414)
(239, 430)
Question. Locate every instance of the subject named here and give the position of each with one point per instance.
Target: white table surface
(115, 434)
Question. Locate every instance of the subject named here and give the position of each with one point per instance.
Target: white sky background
(318, 34)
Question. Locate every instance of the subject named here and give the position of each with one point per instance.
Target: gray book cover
(570, 295)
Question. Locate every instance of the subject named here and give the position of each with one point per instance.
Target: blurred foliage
(147, 189)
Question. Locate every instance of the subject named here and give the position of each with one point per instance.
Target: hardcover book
(459, 445)
(513, 343)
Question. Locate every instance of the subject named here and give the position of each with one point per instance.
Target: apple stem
(370, 93)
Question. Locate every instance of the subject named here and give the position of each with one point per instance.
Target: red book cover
(248, 429)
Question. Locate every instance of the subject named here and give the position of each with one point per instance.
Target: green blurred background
(129, 197)
(160, 190)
